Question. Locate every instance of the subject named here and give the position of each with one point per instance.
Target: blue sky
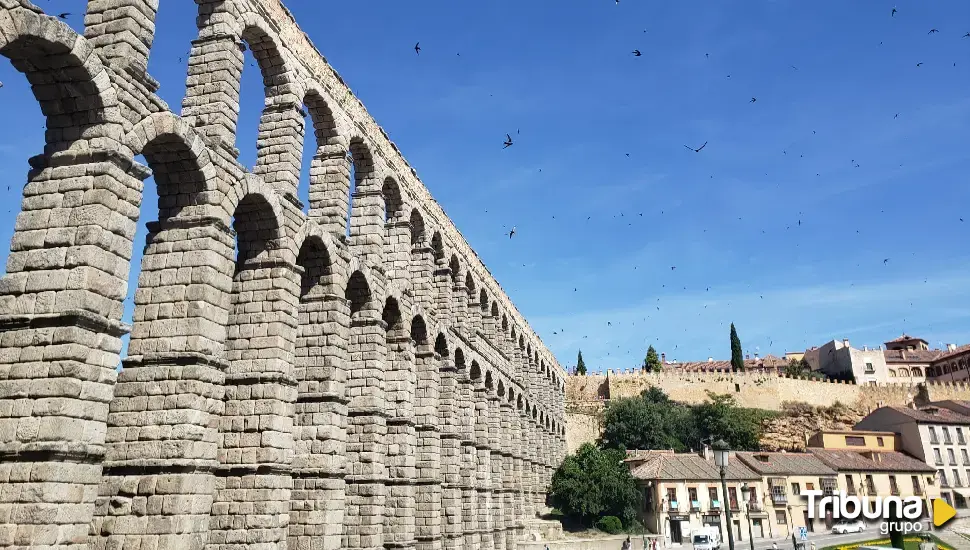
(598, 231)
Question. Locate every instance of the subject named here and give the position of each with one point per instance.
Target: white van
(707, 538)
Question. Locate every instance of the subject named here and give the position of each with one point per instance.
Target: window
(715, 502)
(733, 497)
(943, 481)
(829, 486)
(946, 437)
(870, 485)
(916, 488)
(692, 495)
(869, 368)
(880, 442)
(951, 456)
(946, 497)
(960, 438)
(672, 497)
(780, 518)
(855, 441)
(796, 489)
(810, 486)
(933, 439)
(956, 478)
(965, 456)
(937, 456)
(849, 484)
(778, 495)
(961, 502)
(893, 488)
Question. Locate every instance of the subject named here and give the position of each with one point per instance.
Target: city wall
(586, 396)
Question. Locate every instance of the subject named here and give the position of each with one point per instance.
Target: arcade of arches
(292, 380)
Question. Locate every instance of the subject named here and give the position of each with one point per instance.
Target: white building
(936, 434)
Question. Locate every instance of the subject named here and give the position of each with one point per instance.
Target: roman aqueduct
(287, 384)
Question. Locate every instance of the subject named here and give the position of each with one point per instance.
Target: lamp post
(721, 453)
(745, 492)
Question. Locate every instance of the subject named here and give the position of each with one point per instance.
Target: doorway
(675, 535)
(809, 522)
(757, 529)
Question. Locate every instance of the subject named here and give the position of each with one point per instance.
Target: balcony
(755, 506)
(778, 500)
(695, 505)
(673, 506)
(734, 506)
(716, 505)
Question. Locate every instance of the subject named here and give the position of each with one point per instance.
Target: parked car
(707, 538)
(844, 526)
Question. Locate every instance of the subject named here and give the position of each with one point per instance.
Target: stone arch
(417, 227)
(489, 381)
(67, 79)
(437, 248)
(455, 266)
(393, 203)
(917, 371)
(475, 372)
(180, 164)
(258, 224)
(483, 302)
(359, 295)
(365, 218)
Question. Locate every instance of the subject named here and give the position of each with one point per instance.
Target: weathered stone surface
(308, 381)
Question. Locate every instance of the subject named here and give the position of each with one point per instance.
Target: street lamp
(745, 492)
(721, 453)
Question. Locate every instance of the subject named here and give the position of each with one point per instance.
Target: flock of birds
(509, 142)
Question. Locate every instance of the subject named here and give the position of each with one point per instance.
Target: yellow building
(854, 440)
(682, 493)
(785, 476)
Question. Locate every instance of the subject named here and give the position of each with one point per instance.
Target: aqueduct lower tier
(292, 380)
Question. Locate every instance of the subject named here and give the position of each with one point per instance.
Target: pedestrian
(813, 545)
(774, 546)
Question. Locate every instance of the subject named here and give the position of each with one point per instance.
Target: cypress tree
(580, 365)
(737, 358)
(651, 363)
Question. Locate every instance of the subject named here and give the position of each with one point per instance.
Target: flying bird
(885, 261)
(636, 53)
(64, 15)
(967, 35)
(673, 267)
(933, 31)
(417, 48)
(893, 14)
(508, 141)
(919, 64)
(698, 150)
(512, 232)
(753, 99)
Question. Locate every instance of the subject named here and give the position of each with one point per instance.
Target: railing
(715, 505)
(755, 506)
(779, 499)
(695, 505)
(673, 506)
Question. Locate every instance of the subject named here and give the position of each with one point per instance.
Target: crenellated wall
(293, 380)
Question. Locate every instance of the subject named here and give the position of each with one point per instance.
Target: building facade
(682, 493)
(341, 374)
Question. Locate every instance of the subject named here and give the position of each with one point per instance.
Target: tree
(650, 421)
(594, 483)
(580, 365)
(651, 363)
(793, 368)
(737, 358)
(719, 417)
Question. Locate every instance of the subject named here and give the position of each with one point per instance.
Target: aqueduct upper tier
(293, 380)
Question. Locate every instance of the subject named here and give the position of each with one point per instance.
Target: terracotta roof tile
(855, 461)
(934, 415)
(785, 464)
(911, 356)
(957, 351)
(686, 466)
(905, 338)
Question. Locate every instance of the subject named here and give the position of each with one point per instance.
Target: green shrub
(609, 524)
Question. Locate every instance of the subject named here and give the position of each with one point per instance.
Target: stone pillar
(211, 102)
(442, 291)
(525, 431)
(422, 264)
(279, 146)
(449, 408)
(400, 382)
(330, 186)
(518, 447)
(366, 434)
(469, 458)
(367, 219)
(60, 339)
(319, 465)
(508, 494)
(428, 513)
(459, 308)
(254, 480)
(474, 317)
(162, 437)
(484, 468)
(495, 464)
(122, 31)
(397, 249)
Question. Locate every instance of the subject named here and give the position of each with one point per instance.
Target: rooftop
(667, 465)
(906, 338)
(785, 464)
(912, 355)
(888, 461)
(933, 415)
